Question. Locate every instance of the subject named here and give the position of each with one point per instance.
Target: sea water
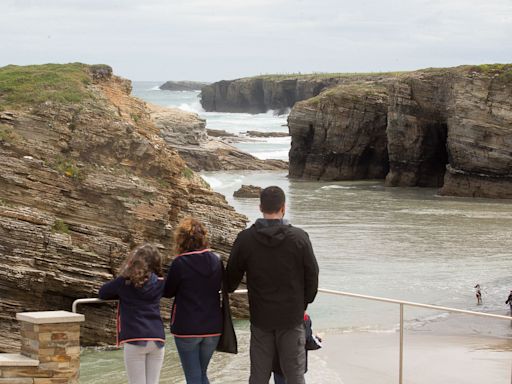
(402, 243)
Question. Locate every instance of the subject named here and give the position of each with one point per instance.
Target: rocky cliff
(341, 134)
(271, 92)
(85, 176)
(448, 128)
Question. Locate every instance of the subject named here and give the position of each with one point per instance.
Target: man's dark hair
(272, 199)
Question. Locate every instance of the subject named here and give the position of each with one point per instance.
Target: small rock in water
(248, 191)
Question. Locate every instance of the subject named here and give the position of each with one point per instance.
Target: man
(509, 302)
(282, 279)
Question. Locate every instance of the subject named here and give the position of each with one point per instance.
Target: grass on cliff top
(322, 75)
(503, 71)
(36, 84)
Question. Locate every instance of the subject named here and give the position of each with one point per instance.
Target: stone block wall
(50, 350)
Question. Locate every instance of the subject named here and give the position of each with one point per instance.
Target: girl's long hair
(140, 263)
(190, 235)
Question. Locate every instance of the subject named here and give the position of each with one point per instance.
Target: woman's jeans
(279, 379)
(195, 354)
(143, 363)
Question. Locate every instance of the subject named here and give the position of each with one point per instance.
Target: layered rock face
(273, 92)
(85, 177)
(449, 128)
(341, 134)
(479, 142)
(417, 128)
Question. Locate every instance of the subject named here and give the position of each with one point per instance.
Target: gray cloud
(214, 39)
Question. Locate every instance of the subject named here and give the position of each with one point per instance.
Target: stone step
(17, 360)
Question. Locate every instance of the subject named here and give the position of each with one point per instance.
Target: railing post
(401, 364)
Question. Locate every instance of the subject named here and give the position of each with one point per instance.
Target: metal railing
(401, 303)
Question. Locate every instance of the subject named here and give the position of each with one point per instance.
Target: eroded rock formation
(182, 85)
(85, 176)
(341, 134)
(186, 133)
(449, 128)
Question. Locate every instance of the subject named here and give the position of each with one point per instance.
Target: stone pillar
(53, 338)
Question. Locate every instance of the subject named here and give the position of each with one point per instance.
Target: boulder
(248, 191)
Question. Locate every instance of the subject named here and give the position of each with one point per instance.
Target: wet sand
(363, 358)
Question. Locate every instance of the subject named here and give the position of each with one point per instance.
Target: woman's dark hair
(272, 199)
(190, 235)
(140, 263)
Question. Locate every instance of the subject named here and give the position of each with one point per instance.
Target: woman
(194, 280)
(139, 325)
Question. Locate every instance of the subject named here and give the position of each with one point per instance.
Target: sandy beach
(363, 358)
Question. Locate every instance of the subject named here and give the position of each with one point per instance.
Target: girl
(194, 280)
(139, 325)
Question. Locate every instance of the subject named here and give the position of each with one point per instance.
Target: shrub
(187, 173)
(60, 226)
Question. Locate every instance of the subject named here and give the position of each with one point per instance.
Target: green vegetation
(4, 203)
(205, 184)
(163, 183)
(502, 71)
(60, 226)
(69, 168)
(7, 134)
(187, 173)
(36, 84)
(353, 90)
(135, 117)
(322, 75)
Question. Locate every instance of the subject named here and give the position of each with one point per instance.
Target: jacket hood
(205, 263)
(270, 233)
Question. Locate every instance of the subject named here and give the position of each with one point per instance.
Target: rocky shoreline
(186, 133)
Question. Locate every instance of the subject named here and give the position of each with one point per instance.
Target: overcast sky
(224, 39)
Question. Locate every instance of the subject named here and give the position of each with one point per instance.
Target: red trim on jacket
(173, 317)
(118, 324)
(194, 252)
(143, 339)
(207, 335)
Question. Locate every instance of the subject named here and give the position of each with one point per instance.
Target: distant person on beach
(509, 301)
(194, 280)
(313, 342)
(140, 329)
(282, 278)
(478, 294)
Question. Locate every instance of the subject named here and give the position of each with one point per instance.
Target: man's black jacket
(282, 273)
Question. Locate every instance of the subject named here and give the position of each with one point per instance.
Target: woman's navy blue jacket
(138, 312)
(194, 280)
